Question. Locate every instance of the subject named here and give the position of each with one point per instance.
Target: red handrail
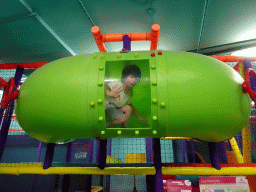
(233, 58)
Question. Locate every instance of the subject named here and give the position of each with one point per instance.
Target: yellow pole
(174, 138)
(37, 168)
(247, 143)
(236, 150)
(241, 171)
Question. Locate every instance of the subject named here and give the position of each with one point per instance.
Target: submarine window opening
(127, 94)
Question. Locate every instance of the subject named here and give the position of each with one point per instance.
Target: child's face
(131, 81)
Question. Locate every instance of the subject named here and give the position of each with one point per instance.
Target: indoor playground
(124, 115)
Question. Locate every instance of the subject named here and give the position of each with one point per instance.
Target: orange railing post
(100, 39)
(154, 36)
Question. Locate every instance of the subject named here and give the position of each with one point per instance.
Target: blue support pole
(183, 150)
(66, 178)
(213, 147)
(102, 154)
(109, 144)
(149, 150)
(191, 151)
(70, 152)
(223, 153)
(1, 114)
(91, 150)
(150, 182)
(175, 151)
(8, 114)
(37, 160)
(108, 177)
(49, 155)
(158, 165)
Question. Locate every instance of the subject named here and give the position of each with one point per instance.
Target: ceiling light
(250, 52)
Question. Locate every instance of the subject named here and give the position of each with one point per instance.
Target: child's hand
(115, 91)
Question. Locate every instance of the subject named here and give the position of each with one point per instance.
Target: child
(118, 97)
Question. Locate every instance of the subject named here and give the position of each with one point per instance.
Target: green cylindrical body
(181, 94)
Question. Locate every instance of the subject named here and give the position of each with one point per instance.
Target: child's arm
(107, 90)
(137, 114)
(134, 111)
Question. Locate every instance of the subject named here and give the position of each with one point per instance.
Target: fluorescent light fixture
(250, 52)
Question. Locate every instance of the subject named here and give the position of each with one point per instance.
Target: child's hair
(131, 70)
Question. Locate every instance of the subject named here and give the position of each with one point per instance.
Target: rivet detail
(154, 83)
(154, 100)
(137, 132)
(100, 100)
(118, 55)
(154, 118)
(102, 132)
(119, 132)
(162, 104)
(153, 67)
(92, 104)
(136, 55)
(101, 118)
(102, 56)
(100, 84)
(101, 68)
(154, 132)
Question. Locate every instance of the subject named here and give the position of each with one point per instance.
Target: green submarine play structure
(181, 94)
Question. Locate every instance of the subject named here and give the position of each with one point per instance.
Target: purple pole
(175, 151)
(109, 153)
(8, 115)
(70, 152)
(109, 146)
(101, 181)
(191, 151)
(127, 43)
(239, 143)
(49, 155)
(91, 150)
(98, 151)
(192, 148)
(214, 155)
(149, 150)
(102, 153)
(223, 152)
(39, 152)
(108, 182)
(1, 114)
(150, 184)
(228, 146)
(183, 146)
(159, 185)
(66, 178)
(37, 160)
